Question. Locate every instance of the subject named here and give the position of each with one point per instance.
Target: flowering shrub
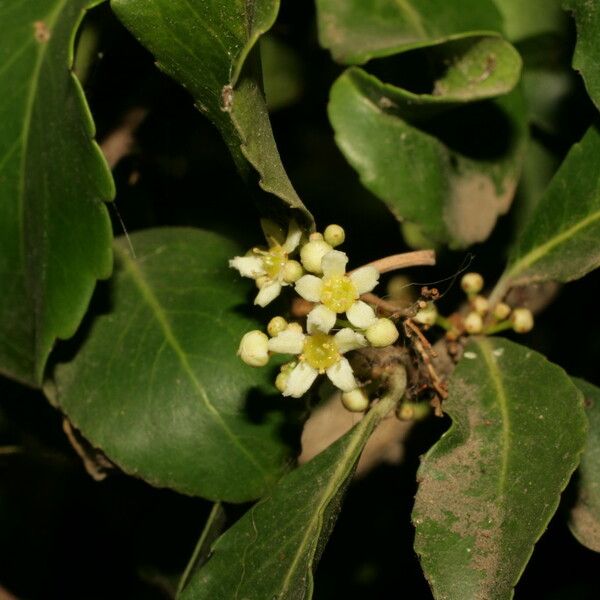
(456, 147)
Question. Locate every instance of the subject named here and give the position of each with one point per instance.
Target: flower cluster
(481, 317)
(319, 277)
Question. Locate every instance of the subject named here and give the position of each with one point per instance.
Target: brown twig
(389, 307)
(408, 323)
(418, 258)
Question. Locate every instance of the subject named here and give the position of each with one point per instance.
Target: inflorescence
(338, 322)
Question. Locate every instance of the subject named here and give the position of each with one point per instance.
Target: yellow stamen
(339, 293)
(320, 351)
(274, 261)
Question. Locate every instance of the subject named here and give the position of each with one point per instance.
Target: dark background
(65, 536)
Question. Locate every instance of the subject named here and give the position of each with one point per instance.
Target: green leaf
(157, 384)
(533, 17)
(561, 241)
(208, 46)
(356, 31)
(272, 551)
(585, 514)
(587, 49)
(395, 140)
(539, 165)
(55, 233)
(489, 487)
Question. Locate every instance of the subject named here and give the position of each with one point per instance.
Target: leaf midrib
(502, 397)
(412, 17)
(152, 301)
(50, 22)
(538, 253)
(316, 523)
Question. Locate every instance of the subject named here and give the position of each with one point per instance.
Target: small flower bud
(406, 411)
(281, 381)
(501, 311)
(355, 400)
(292, 271)
(253, 349)
(480, 304)
(283, 376)
(473, 323)
(295, 327)
(471, 283)
(315, 236)
(522, 320)
(312, 253)
(334, 235)
(427, 315)
(382, 333)
(276, 325)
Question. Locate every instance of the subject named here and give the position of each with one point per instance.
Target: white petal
(293, 237)
(347, 339)
(287, 342)
(365, 279)
(268, 294)
(320, 318)
(361, 315)
(300, 379)
(309, 287)
(274, 234)
(334, 263)
(341, 375)
(248, 266)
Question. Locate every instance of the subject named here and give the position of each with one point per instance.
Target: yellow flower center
(320, 351)
(274, 261)
(339, 293)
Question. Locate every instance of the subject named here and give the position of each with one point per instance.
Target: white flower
(318, 352)
(271, 268)
(339, 293)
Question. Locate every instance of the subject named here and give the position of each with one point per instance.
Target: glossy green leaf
(587, 49)
(524, 19)
(209, 47)
(585, 514)
(272, 551)
(357, 30)
(539, 165)
(395, 141)
(157, 384)
(561, 241)
(489, 487)
(55, 233)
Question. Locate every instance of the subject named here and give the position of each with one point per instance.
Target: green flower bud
(292, 271)
(312, 253)
(382, 333)
(501, 311)
(355, 400)
(276, 325)
(522, 320)
(473, 323)
(427, 315)
(471, 283)
(334, 235)
(480, 304)
(253, 349)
